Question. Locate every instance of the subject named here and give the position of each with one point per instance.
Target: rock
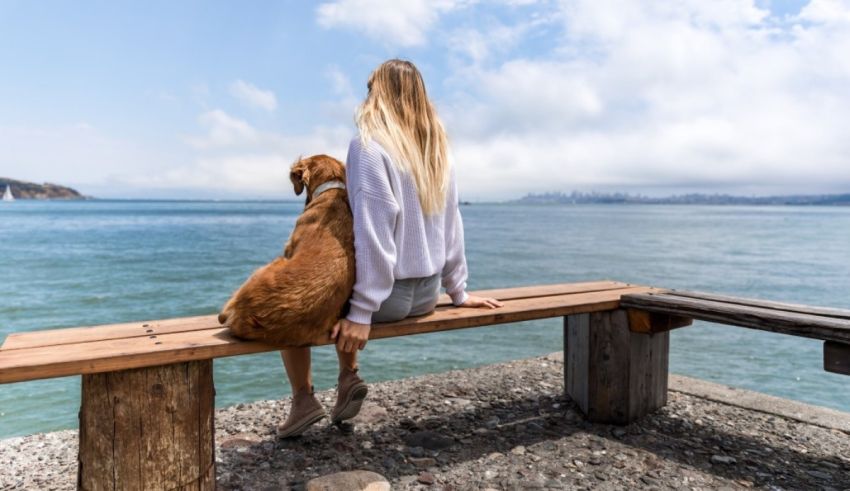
(425, 478)
(820, 475)
(349, 481)
(240, 440)
(723, 459)
(371, 414)
(618, 432)
(423, 462)
(416, 452)
(519, 450)
(428, 440)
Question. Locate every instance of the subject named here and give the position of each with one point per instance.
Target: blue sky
(216, 99)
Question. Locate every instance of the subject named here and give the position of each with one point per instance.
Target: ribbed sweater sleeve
(375, 211)
(454, 272)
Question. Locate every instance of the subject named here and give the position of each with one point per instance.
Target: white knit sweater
(393, 239)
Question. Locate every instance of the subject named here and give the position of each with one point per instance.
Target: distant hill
(685, 199)
(31, 190)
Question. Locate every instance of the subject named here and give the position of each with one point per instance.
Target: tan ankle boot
(304, 411)
(350, 393)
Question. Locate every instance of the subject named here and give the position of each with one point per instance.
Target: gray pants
(410, 297)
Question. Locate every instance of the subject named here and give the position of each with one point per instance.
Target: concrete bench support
(616, 376)
(148, 428)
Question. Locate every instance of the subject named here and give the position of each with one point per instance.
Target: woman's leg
(305, 409)
(425, 295)
(346, 360)
(297, 364)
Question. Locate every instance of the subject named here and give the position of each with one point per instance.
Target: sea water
(97, 262)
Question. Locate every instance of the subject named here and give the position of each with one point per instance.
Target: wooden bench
(830, 325)
(146, 417)
(147, 405)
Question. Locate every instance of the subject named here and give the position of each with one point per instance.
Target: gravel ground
(504, 426)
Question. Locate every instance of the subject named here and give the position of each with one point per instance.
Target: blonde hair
(398, 115)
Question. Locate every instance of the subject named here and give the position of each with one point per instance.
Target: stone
(349, 481)
(723, 459)
(518, 450)
(820, 475)
(371, 414)
(240, 440)
(425, 478)
(428, 440)
(423, 462)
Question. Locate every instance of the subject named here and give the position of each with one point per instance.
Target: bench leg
(614, 375)
(148, 428)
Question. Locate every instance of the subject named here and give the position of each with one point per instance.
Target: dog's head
(312, 172)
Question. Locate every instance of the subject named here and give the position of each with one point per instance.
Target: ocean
(78, 263)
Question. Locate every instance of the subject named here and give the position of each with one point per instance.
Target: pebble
(423, 462)
(723, 459)
(428, 440)
(426, 478)
(349, 481)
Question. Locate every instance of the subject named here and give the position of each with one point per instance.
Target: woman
(408, 234)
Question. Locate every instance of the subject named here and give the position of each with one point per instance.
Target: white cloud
(666, 97)
(233, 157)
(402, 23)
(223, 130)
(253, 96)
(78, 155)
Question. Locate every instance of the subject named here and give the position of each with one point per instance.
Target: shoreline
(506, 426)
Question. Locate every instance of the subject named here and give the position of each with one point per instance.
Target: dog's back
(296, 299)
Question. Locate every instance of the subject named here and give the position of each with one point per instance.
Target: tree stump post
(616, 376)
(148, 428)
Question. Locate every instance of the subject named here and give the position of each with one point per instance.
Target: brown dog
(296, 299)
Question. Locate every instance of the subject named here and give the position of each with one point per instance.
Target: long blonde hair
(398, 114)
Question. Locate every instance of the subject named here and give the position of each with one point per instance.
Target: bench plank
(755, 317)
(158, 327)
(123, 353)
(787, 307)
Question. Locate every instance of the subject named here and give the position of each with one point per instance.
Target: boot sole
(302, 425)
(352, 405)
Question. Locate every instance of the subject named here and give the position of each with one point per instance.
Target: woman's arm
(455, 272)
(375, 212)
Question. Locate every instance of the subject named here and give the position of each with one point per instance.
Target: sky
(216, 99)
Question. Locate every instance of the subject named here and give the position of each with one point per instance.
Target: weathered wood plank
(648, 372)
(76, 335)
(652, 322)
(576, 338)
(119, 354)
(836, 357)
(766, 319)
(148, 428)
(753, 302)
(608, 379)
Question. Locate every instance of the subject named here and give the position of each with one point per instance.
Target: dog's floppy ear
(300, 176)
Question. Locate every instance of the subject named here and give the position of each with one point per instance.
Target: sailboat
(7, 196)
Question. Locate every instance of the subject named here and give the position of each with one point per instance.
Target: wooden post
(836, 357)
(616, 376)
(148, 428)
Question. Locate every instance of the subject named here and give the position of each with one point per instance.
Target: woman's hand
(350, 336)
(473, 301)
